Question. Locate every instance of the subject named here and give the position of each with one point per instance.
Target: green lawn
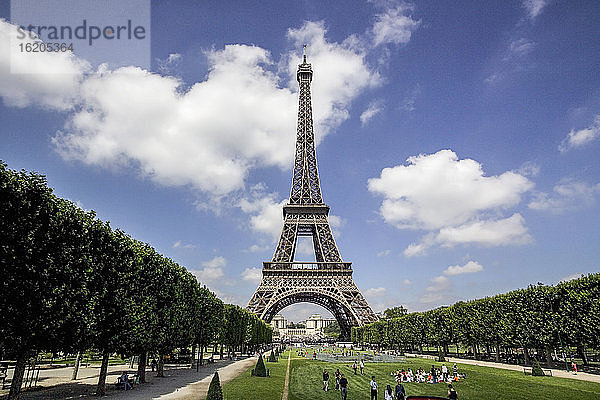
(481, 383)
(246, 387)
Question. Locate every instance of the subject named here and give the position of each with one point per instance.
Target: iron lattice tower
(328, 281)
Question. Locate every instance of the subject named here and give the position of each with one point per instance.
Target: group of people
(434, 375)
(341, 383)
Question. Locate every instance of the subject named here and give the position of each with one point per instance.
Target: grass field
(482, 383)
(246, 387)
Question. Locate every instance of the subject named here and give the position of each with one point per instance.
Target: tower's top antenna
(304, 54)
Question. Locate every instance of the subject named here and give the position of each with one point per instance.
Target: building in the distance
(313, 326)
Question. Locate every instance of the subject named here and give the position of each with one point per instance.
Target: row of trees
(540, 317)
(70, 283)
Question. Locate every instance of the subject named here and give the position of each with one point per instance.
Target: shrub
(260, 369)
(536, 369)
(214, 390)
(272, 357)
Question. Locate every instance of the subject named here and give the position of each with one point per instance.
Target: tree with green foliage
(395, 312)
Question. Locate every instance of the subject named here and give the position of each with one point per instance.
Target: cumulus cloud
(213, 270)
(372, 110)
(453, 200)
(265, 210)
(340, 73)
(375, 292)
(394, 26)
(50, 80)
(468, 268)
(581, 137)
(567, 195)
(534, 7)
(437, 290)
(253, 275)
(384, 253)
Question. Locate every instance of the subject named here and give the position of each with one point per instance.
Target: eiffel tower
(328, 281)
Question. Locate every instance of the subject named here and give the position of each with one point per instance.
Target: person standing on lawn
(452, 393)
(399, 391)
(337, 379)
(373, 385)
(344, 387)
(362, 367)
(325, 380)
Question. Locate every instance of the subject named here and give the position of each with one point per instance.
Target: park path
(582, 376)
(287, 378)
(181, 383)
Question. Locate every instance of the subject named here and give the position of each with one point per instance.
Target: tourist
(124, 378)
(399, 391)
(452, 393)
(444, 372)
(153, 364)
(325, 380)
(354, 367)
(344, 387)
(455, 370)
(574, 367)
(433, 374)
(373, 386)
(388, 394)
(362, 367)
(337, 379)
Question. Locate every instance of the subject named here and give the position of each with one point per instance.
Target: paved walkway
(180, 383)
(560, 373)
(287, 378)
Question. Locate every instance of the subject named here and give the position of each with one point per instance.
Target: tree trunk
(201, 359)
(141, 371)
(581, 353)
(457, 351)
(221, 352)
(101, 388)
(160, 370)
(76, 366)
(497, 352)
(193, 356)
(526, 355)
(17, 380)
(475, 352)
(548, 357)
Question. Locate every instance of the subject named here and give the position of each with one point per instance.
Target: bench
(529, 371)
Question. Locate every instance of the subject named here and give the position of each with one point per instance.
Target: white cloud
(468, 268)
(372, 110)
(453, 200)
(340, 73)
(581, 137)
(384, 253)
(258, 249)
(566, 195)
(407, 282)
(570, 277)
(534, 7)
(51, 79)
(253, 275)
(437, 290)
(375, 292)
(213, 270)
(180, 245)
(520, 47)
(394, 26)
(266, 211)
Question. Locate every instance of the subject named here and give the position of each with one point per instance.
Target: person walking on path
(373, 385)
(399, 391)
(388, 394)
(452, 393)
(344, 387)
(325, 380)
(337, 379)
(153, 364)
(362, 367)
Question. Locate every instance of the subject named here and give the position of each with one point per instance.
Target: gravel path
(180, 383)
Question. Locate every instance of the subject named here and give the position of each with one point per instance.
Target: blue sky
(457, 149)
